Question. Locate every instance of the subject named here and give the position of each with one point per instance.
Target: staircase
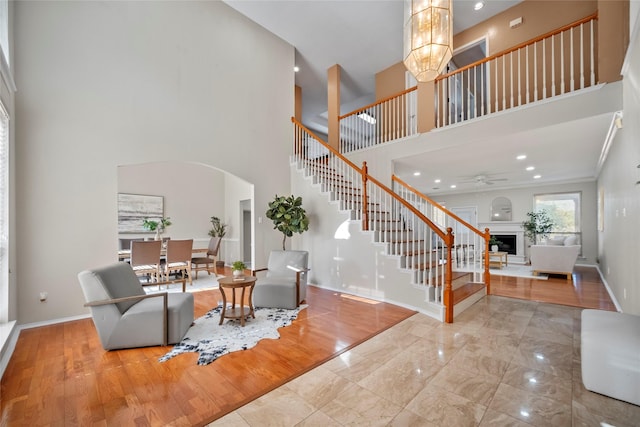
(422, 251)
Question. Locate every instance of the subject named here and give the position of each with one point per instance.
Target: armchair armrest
(253, 272)
(165, 308)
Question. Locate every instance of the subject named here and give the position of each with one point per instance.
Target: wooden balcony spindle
(365, 204)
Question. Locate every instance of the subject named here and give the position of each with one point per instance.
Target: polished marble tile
(502, 363)
(539, 382)
(497, 419)
(359, 406)
(400, 379)
(443, 408)
(280, 407)
(319, 386)
(530, 408)
(318, 419)
(478, 388)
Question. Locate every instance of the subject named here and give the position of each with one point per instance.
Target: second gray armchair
(285, 283)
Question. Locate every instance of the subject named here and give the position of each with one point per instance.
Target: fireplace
(508, 243)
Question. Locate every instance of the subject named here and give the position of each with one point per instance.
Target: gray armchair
(285, 284)
(126, 317)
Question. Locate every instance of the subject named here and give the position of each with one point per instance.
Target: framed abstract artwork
(133, 209)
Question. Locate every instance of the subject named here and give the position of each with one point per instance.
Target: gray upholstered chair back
(114, 281)
(280, 262)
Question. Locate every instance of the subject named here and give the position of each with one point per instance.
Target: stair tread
(465, 291)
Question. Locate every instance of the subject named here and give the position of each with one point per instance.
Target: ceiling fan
(482, 179)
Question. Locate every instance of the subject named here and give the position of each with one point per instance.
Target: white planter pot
(494, 248)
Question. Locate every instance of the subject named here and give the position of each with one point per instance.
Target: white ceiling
(365, 37)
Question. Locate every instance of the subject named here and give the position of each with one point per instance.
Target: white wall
(192, 194)
(522, 202)
(619, 250)
(102, 84)
(235, 191)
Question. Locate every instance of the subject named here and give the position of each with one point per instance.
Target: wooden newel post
(448, 292)
(487, 276)
(365, 201)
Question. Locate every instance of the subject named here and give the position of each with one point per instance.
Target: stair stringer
(346, 259)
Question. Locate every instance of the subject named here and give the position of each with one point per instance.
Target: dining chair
(203, 262)
(145, 258)
(179, 254)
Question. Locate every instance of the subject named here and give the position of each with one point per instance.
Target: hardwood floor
(60, 375)
(585, 291)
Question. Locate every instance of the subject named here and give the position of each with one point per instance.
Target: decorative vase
(238, 274)
(494, 248)
(157, 236)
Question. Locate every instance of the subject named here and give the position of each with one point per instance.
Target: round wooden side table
(242, 311)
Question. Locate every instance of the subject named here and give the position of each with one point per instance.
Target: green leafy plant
(238, 266)
(153, 225)
(218, 228)
(539, 224)
(288, 216)
(494, 241)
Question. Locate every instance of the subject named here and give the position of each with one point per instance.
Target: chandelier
(428, 37)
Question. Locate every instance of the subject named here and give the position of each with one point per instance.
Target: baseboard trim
(53, 321)
(609, 291)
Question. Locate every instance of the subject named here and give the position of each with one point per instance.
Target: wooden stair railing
(470, 241)
(425, 249)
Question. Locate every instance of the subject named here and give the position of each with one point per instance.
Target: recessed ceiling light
(453, 186)
(537, 176)
(437, 181)
(521, 157)
(296, 69)
(530, 168)
(479, 5)
(416, 174)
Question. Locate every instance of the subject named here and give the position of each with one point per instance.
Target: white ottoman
(610, 348)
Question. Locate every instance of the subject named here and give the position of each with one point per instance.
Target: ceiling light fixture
(521, 157)
(428, 37)
(437, 181)
(368, 118)
(537, 176)
(530, 168)
(416, 174)
(479, 5)
(296, 69)
(453, 186)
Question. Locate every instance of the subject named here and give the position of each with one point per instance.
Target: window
(4, 215)
(563, 208)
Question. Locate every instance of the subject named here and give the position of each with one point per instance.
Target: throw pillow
(555, 241)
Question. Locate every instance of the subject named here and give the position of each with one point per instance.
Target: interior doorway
(246, 249)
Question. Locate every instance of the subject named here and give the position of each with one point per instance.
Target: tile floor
(504, 362)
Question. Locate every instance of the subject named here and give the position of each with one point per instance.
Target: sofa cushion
(555, 241)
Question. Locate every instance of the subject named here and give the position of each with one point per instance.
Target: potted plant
(238, 268)
(218, 229)
(157, 226)
(539, 224)
(493, 242)
(288, 216)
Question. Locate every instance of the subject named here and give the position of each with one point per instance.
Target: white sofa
(559, 257)
(610, 354)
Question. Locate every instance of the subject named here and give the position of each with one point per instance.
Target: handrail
(520, 46)
(381, 101)
(437, 205)
(327, 146)
(413, 210)
(351, 185)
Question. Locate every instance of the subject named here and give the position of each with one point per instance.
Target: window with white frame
(563, 208)
(4, 215)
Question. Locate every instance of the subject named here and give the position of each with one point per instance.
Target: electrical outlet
(43, 296)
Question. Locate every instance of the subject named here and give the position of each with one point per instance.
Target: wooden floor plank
(60, 375)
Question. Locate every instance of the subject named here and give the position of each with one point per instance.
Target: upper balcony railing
(552, 64)
(386, 120)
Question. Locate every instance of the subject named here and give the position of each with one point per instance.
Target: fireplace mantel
(508, 227)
